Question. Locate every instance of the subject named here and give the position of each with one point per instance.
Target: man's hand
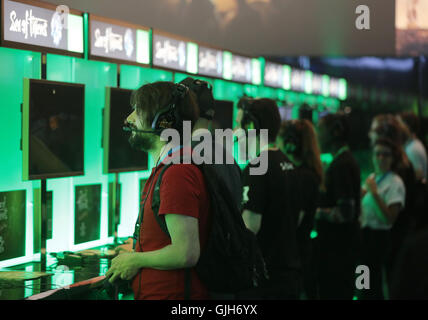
(124, 266)
(371, 185)
(126, 247)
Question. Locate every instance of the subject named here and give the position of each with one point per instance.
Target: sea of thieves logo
(210, 61)
(112, 42)
(168, 52)
(241, 68)
(32, 27)
(273, 74)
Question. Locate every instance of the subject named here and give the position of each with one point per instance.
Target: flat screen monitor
(119, 156)
(53, 129)
(223, 117)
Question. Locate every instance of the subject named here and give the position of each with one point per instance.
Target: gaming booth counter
(69, 182)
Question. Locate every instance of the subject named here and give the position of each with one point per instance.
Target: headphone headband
(169, 117)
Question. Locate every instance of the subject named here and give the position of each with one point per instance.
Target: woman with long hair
(388, 126)
(297, 140)
(383, 199)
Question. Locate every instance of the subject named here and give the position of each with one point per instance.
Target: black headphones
(168, 117)
(203, 91)
(291, 138)
(246, 103)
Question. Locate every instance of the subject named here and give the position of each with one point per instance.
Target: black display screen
(55, 138)
(121, 156)
(223, 117)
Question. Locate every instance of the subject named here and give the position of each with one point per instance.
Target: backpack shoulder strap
(162, 225)
(156, 201)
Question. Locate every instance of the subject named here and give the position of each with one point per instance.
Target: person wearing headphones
(158, 263)
(298, 141)
(268, 209)
(338, 212)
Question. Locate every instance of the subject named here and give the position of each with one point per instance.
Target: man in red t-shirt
(157, 266)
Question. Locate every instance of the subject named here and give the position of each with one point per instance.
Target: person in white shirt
(383, 197)
(413, 147)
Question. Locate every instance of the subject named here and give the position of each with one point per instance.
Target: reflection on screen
(56, 129)
(122, 157)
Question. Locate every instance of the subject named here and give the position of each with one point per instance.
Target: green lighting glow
(287, 77)
(325, 85)
(326, 158)
(15, 65)
(308, 82)
(75, 33)
(314, 234)
(256, 72)
(343, 89)
(192, 58)
(227, 65)
(86, 34)
(143, 46)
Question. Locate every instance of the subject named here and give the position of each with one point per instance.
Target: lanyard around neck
(378, 181)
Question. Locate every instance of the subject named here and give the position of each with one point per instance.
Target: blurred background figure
(383, 199)
(389, 127)
(413, 146)
(339, 208)
(298, 141)
(416, 152)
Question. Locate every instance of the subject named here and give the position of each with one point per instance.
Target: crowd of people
(315, 223)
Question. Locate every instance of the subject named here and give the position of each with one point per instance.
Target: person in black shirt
(297, 140)
(337, 215)
(268, 209)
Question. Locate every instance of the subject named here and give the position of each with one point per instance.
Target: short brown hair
(150, 98)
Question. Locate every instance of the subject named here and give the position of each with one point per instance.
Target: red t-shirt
(182, 191)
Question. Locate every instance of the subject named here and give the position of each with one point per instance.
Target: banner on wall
(277, 75)
(87, 213)
(115, 40)
(210, 62)
(172, 52)
(12, 224)
(298, 80)
(237, 68)
(42, 27)
(320, 84)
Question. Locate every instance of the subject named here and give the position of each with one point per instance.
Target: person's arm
(183, 252)
(417, 160)
(127, 246)
(252, 220)
(388, 213)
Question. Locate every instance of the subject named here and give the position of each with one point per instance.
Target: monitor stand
(116, 206)
(44, 226)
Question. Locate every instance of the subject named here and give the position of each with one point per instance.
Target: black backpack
(231, 261)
